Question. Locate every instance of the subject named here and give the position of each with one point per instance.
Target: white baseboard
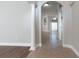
(14, 44)
(32, 48)
(71, 47)
(18, 44)
(38, 45)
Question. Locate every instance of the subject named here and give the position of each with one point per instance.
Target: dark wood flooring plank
(13, 52)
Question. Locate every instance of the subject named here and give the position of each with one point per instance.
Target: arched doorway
(51, 23)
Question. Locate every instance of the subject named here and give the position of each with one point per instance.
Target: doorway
(51, 24)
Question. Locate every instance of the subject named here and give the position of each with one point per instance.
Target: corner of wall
(71, 47)
(32, 49)
(38, 45)
(35, 47)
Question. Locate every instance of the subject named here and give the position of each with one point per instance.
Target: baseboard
(38, 45)
(14, 44)
(71, 47)
(32, 48)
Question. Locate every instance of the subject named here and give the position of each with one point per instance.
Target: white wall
(75, 27)
(71, 29)
(15, 22)
(67, 18)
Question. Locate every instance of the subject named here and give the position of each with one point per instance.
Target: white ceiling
(52, 6)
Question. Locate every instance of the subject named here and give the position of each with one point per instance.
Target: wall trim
(32, 48)
(32, 28)
(14, 44)
(39, 45)
(71, 47)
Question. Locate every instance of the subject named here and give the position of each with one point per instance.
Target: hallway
(50, 39)
(47, 50)
(54, 40)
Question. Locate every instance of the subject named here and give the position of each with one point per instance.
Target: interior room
(39, 29)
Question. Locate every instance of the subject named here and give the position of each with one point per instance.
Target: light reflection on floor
(53, 35)
(53, 39)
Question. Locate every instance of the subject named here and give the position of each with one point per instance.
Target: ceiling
(52, 6)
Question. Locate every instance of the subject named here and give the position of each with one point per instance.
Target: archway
(50, 10)
(38, 15)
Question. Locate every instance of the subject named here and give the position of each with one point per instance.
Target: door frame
(41, 21)
(40, 17)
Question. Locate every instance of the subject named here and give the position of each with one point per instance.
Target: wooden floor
(13, 52)
(47, 50)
